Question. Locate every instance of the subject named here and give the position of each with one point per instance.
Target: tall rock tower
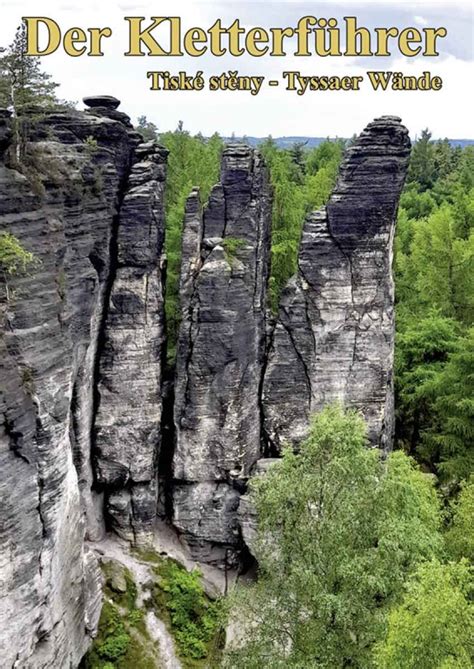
(221, 348)
(334, 335)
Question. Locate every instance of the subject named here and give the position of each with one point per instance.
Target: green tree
(422, 168)
(22, 82)
(14, 258)
(442, 266)
(298, 156)
(459, 536)
(339, 530)
(422, 350)
(450, 442)
(147, 128)
(433, 627)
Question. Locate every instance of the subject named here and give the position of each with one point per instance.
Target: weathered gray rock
(128, 415)
(108, 101)
(333, 339)
(247, 514)
(220, 356)
(81, 343)
(63, 211)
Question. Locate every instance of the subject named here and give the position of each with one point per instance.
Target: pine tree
(22, 81)
(422, 164)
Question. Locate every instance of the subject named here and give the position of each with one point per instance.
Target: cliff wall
(68, 202)
(83, 338)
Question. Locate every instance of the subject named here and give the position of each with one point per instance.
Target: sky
(275, 111)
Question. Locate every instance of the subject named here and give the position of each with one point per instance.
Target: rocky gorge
(84, 450)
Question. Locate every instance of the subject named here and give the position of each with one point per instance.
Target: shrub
(14, 259)
(112, 640)
(231, 246)
(91, 145)
(194, 619)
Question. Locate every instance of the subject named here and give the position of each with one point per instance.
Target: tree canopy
(433, 627)
(339, 530)
(22, 81)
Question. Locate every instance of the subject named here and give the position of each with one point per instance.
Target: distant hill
(310, 142)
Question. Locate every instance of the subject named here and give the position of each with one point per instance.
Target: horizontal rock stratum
(83, 339)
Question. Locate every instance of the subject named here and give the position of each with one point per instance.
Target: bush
(193, 618)
(112, 639)
(14, 259)
(231, 246)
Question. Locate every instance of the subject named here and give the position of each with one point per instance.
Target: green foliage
(116, 640)
(193, 162)
(460, 535)
(231, 246)
(434, 275)
(91, 144)
(339, 531)
(433, 627)
(421, 352)
(194, 621)
(422, 163)
(22, 82)
(434, 367)
(450, 440)
(113, 640)
(122, 640)
(14, 259)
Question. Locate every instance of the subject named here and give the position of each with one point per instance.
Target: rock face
(64, 208)
(82, 341)
(247, 514)
(107, 101)
(128, 418)
(225, 266)
(333, 339)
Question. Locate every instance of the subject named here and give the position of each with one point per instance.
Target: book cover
(236, 345)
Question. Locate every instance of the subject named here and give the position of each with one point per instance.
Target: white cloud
(420, 20)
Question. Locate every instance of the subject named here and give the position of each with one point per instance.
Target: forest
(363, 560)
(407, 603)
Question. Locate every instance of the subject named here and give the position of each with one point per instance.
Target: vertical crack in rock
(220, 357)
(128, 416)
(335, 329)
